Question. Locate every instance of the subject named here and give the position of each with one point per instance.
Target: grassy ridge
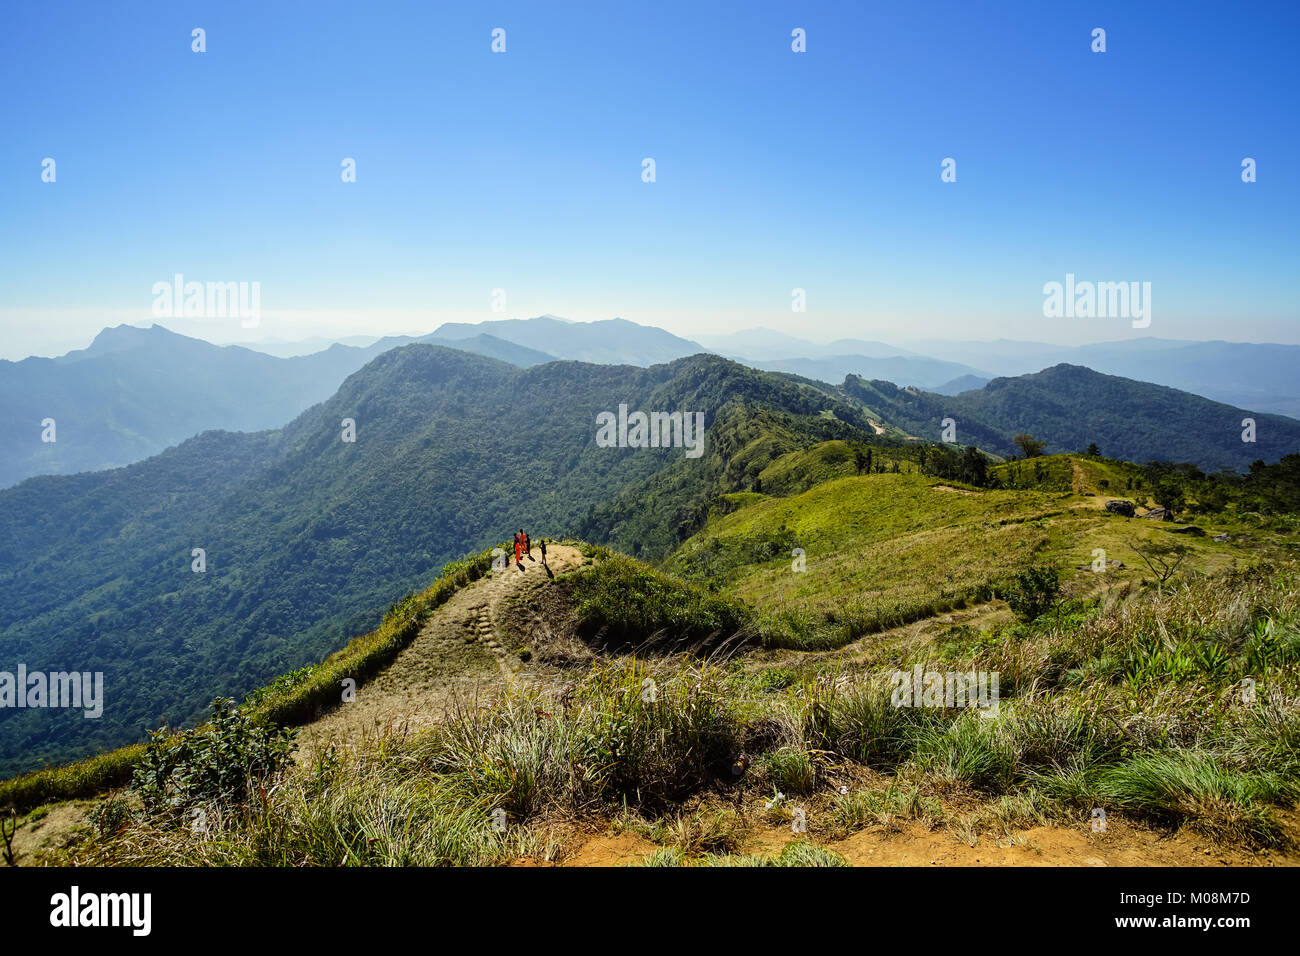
(1080, 727)
(883, 550)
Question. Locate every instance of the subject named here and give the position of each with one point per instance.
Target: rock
(1120, 507)
(1191, 529)
(1222, 537)
(1157, 514)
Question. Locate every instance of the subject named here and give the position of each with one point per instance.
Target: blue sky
(775, 170)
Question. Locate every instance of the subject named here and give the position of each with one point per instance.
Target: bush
(627, 603)
(1034, 591)
(213, 762)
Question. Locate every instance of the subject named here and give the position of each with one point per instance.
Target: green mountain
(307, 537)
(136, 391)
(1070, 407)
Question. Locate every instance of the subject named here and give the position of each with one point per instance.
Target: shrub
(628, 603)
(1034, 591)
(213, 762)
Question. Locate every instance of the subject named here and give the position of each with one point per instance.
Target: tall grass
(647, 735)
(624, 734)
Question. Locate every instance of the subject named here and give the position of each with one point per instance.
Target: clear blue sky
(775, 170)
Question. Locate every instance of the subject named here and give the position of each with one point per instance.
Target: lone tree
(1163, 559)
(974, 469)
(1168, 494)
(1028, 444)
(1093, 451)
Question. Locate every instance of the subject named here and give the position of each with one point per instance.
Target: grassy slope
(889, 548)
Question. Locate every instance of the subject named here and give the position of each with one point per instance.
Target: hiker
(528, 547)
(543, 551)
(519, 544)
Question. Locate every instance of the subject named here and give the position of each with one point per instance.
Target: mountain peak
(114, 336)
(119, 338)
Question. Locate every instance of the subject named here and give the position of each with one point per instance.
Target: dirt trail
(460, 653)
(1122, 844)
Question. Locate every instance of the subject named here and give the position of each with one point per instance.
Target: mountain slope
(307, 536)
(1248, 375)
(136, 391)
(1070, 407)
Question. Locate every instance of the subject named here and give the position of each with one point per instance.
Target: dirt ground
(914, 845)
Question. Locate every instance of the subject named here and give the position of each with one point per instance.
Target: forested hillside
(306, 536)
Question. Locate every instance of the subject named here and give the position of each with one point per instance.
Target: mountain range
(137, 391)
(304, 536)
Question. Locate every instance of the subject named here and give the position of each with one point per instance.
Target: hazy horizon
(323, 341)
(489, 184)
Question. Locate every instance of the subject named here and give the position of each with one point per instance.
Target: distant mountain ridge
(607, 342)
(1070, 407)
(901, 369)
(1259, 376)
(134, 392)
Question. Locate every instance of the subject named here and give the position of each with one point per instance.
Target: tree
(1034, 591)
(1168, 494)
(1028, 444)
(1162, 559)
(862, 460)
(1093, 451)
